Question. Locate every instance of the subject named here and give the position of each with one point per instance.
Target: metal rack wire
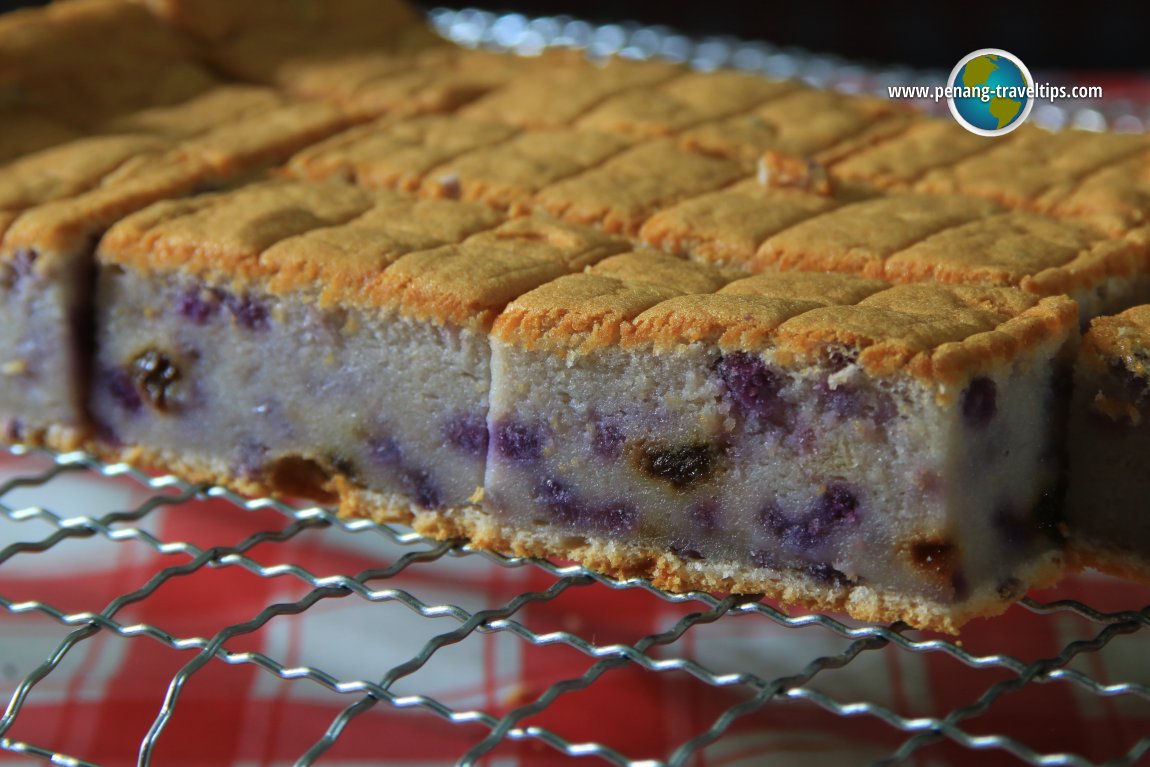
(657, 653)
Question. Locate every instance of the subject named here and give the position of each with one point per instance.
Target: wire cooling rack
(730, 681)
(146, 620)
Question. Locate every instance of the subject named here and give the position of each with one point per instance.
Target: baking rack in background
(146, 619)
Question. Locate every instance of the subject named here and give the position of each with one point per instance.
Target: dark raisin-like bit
(980, 402)
(682, 466)
(1011, 589)
(934, 556)
(155, 374)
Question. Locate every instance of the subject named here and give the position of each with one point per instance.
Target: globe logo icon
(993, 92)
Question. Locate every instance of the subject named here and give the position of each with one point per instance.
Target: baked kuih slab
(1107, 511)
(315, 339)
(57, 203)
(825, 439)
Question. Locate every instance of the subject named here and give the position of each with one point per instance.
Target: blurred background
(1051, 34)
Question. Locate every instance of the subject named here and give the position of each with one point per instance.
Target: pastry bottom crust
(673, 573)
(618, 559)
(1121, 563)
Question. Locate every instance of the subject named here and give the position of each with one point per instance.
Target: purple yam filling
(467, 433)
(518, 442)
(754, 390)
(415, 482)
(980, 402)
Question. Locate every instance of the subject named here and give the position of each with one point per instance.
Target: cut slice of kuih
(315, 338)
(825, 439)
(1107, 517)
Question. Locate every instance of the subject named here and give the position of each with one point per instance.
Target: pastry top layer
(87, 61)
(944, 238)
(440, 260)
(256, 40)
(683, 102)
(629, 188)
(1124, 336)
(558, 90)
(937, 333)
(199, 114)
(807, 122)
(68, 169)
(391, 154)
(218, 236)
(589, 310)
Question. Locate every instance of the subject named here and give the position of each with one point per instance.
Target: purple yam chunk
(467, 433)
(848, 403)
(753, 389)
(249, 313)
(122, 389)
(825, 573)
(18, 268)
(417, 485)
(615, 519)
(837, 506)
(980, 402)
(199, 305)
(518, 442)
(608, 440)
(384, 451)
(252, 459)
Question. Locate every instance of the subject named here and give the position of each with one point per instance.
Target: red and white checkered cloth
(98, 704)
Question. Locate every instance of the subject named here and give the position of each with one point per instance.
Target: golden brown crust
(66, 229)
(343, 264)
(899, 161)
(265, 138)
(69, 169)
(859, 238)
(629, 188)
(506, 175)
(469, 284)
(199, 114)
(555, 92)
(1032, 162)
(808, 123)
(27, 131)
(682, 102)
(221, 236)
(391, 154)
(587, 311)
(1121, 336)
(729, 226)
(256, 39)
(667, 571)
(1106, 558)
(86, 61)
(1113, 199)
(936, 333)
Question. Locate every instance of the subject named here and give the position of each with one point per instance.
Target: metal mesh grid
(663, 652)
(816, 647)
